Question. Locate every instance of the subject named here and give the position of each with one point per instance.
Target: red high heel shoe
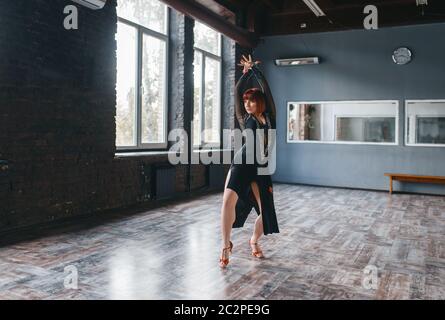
(224, 262)
(256, 253)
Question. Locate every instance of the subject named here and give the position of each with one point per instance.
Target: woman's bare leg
(230, 198)
(258, 230)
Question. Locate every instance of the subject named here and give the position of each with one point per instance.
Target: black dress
(243, 174)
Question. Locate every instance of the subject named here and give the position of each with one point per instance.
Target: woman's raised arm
(266, 89)
(240, 111)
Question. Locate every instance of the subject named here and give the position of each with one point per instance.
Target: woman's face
(250, 106)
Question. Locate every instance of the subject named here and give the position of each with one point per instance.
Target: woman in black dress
(245, 188)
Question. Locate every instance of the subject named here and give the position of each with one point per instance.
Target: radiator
(164, 181)
(216, 176)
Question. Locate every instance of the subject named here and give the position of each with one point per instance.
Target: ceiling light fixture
(315, 8)
(296, 61)
(92, 4)
(422, 2)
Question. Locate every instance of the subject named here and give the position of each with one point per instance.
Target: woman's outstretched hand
(247, 64)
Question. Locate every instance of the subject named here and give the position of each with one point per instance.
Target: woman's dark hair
(257, 96)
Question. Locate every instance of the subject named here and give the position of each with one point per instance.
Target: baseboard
(362, 189)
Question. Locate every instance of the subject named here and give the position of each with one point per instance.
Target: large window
(141, 108)
(207, 88)
(357, 122)
(425, 122)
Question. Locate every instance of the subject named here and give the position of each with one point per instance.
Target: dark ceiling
(247, 20)
(275, 17)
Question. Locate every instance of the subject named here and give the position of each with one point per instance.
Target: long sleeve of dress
(270, 103)
(240, 112)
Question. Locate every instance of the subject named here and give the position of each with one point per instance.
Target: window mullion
(220, 94)
(139, 88)
(202, 103)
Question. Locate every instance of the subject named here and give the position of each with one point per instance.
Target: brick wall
(57, 114)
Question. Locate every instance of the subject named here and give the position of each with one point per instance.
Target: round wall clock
(402, 56)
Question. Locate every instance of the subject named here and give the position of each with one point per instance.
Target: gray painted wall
(357, 65)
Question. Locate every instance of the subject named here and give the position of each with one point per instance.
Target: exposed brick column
(228, 87)
(177, 89)
(189, 25)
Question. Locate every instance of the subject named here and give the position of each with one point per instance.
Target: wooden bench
(413, 178)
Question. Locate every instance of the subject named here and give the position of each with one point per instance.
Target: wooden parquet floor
(327, 238)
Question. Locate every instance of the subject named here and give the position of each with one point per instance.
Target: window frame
(441, 145)
(217, 57)
(397, 117)
(140, 32)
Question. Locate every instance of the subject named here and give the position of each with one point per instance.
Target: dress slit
(254, 199)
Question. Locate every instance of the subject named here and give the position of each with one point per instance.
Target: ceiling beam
(199, 12)
(219, 9)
